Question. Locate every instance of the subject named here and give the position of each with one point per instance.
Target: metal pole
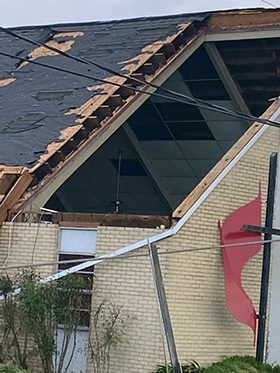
(266, 258)
(164, 310)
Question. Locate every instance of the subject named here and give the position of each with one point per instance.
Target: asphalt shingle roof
(33, 107)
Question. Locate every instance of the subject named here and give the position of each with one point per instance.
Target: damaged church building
(147, 134)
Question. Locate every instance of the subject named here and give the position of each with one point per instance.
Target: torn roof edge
(200, 15)
(204, 14)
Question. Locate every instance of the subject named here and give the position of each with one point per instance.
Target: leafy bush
(108, 331)
(241, 364)
(233, 364)
(189, 367)
(32, 317)
(8, 368)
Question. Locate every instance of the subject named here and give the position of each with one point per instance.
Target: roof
(34, 106)
(48, 118)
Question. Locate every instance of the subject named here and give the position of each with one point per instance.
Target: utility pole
(164, 309)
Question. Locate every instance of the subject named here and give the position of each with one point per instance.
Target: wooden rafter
(6, 182)
(14, 194)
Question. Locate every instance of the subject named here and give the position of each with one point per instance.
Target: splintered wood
(6, 182)
(10, 170)
(65, 135)
(133, 64)
(130, 66)
(14, 194)
(96, 101)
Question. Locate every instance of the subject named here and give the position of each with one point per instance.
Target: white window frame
(75, 252)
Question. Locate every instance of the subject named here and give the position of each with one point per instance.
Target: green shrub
(189, 367)
(233, 364)
(241, 364)
(9, 368)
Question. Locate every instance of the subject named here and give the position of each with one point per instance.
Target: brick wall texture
(204, 329)
(24, 239)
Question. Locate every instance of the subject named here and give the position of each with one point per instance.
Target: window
(78, 240)
(79, 243)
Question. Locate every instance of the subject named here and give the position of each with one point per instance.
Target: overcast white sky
(35, 12)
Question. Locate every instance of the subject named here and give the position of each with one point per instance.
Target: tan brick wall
(23, 238)
(129, 283)
(204, 329)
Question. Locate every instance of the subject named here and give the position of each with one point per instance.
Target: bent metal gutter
(169, 232)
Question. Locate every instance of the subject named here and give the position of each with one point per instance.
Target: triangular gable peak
(101, 116)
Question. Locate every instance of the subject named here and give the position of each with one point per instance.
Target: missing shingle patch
(60, 41)
(6, 81)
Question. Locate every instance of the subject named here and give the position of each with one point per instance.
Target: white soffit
(241, 35)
